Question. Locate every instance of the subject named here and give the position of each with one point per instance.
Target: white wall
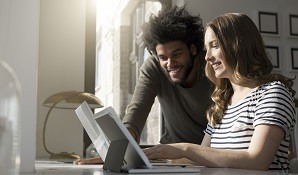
(61, 68)
(19, 28)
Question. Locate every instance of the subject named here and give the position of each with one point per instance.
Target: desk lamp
(67, 100)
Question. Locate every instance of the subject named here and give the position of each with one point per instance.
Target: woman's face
(214, 55)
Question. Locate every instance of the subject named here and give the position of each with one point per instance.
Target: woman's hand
(96, 160)
(166, 151)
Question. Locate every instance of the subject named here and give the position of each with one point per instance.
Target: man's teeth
(174, 70)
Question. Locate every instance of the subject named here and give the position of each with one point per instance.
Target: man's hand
(96, 160)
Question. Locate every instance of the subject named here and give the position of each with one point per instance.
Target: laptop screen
(95, 133)
(115, 136)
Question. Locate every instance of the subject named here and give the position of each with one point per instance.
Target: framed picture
(273, 54)
(293, 24)
(294, 56)
(268, 22)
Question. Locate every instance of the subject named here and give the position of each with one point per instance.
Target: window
(98, 74)
(139, 53)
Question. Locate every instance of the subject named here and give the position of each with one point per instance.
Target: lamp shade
(71, 100)
(67, 100)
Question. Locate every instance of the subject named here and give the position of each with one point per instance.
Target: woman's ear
(193, 49)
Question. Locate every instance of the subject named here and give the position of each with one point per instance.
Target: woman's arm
(263, 147)
(205, 142)
(291, 151)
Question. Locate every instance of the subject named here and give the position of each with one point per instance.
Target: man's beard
(186, 74)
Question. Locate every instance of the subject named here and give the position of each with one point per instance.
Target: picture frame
(293, 25)
(294, 58)
(273, 54)
(268, 22)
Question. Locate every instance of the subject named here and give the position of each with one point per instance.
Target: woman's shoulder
(272, 85)
(274, 89)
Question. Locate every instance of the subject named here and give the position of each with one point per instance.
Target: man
(175, 74)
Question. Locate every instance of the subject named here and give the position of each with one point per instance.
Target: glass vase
(9, 121)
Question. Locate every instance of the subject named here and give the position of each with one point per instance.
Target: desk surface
(58, 168)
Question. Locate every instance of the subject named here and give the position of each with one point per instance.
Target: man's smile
(174, 71)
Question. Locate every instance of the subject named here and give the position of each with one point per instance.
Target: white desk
(55, 168)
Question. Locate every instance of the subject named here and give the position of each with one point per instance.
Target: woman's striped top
(272, 104)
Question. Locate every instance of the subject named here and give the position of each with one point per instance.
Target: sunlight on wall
(107, 11)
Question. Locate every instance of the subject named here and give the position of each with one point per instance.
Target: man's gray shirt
(183, 109)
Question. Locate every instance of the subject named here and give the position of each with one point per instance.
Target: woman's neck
(240, 92)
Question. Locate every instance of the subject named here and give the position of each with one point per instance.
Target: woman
(253, 111)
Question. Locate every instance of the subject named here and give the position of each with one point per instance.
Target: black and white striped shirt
(272, 104)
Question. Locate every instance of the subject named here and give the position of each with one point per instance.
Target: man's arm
(143, 98)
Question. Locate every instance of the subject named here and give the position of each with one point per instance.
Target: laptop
(117, 147)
